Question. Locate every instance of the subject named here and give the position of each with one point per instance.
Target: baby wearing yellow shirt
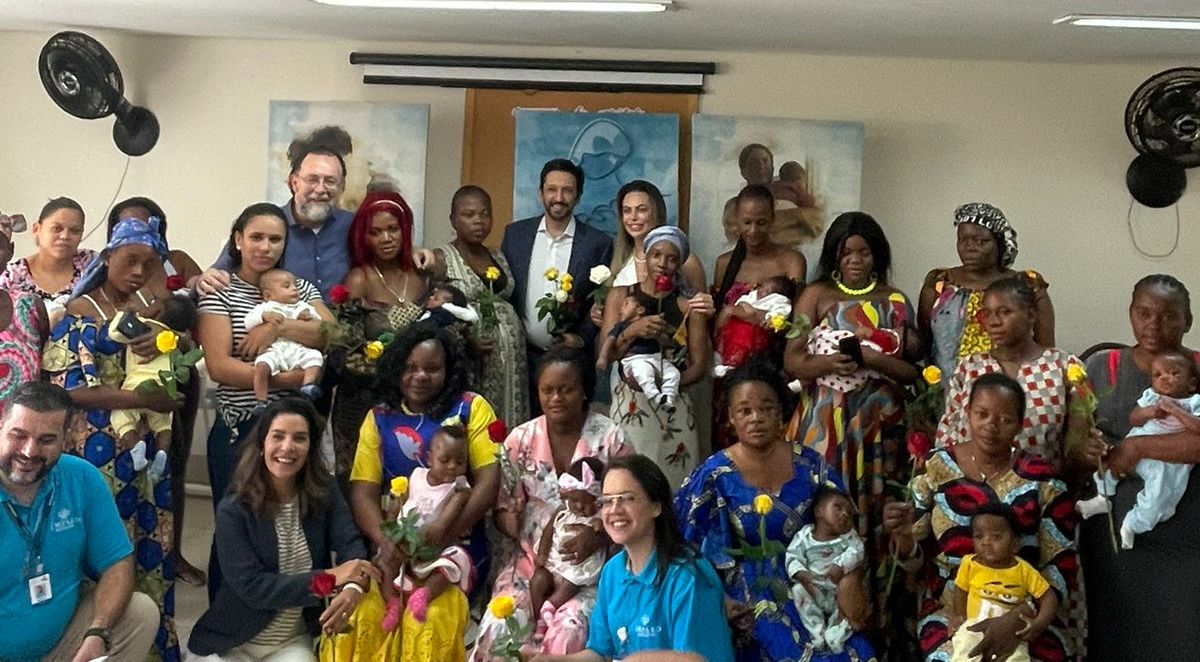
(993, 581)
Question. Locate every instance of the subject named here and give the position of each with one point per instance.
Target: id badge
(39, 589)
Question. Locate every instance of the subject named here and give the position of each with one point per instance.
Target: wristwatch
(105, 635)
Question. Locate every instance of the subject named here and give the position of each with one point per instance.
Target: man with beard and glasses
(557, 240)
(317, 247)
(60, 525)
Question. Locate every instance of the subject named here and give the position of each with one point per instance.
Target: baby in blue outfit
(1170, 405)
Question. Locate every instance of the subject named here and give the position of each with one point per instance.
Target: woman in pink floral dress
(23, 324)
(58, 263)
(536, 453)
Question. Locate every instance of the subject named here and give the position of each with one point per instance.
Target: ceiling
(970, 29)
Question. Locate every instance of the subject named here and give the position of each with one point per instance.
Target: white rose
(599, 274)
(561, 296)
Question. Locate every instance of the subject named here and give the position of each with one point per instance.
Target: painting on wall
(610, 148)
(813, 168)
(384, 146)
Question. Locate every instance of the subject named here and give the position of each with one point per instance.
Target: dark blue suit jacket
(589, 248)
(253, 591)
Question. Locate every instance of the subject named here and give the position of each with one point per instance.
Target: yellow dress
(365, 639)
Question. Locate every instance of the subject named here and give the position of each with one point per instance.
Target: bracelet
(354, 586)
(104, 634)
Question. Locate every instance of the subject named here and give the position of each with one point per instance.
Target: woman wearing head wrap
(82, 358)
(23, 323)
(949, 309)
(662, 428)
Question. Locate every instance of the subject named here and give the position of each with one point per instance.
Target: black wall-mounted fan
(82, 77)
(1162, 120)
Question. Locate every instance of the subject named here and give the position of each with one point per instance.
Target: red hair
(388, 202)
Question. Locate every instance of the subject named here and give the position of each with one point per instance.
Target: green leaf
(193, 357)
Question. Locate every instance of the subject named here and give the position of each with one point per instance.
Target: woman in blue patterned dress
(716, 512)
(82, 358)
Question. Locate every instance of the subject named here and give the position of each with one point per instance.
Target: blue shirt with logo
(684, 613)
(84, 537)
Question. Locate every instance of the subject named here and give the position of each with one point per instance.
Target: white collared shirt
(547, 252)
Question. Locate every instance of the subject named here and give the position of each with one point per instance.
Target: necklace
(403, 285)
(404, 408)
(983, 478)
(851, 291)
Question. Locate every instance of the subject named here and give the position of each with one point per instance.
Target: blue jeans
(224, 449)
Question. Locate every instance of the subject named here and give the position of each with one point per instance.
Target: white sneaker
(138, 453)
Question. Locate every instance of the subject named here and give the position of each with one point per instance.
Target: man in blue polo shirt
(58, 527)
(317, 248)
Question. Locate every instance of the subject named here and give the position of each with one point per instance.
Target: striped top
(234, 302)
(294, 559)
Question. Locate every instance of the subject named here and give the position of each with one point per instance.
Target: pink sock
(418, 604)
(392, 618)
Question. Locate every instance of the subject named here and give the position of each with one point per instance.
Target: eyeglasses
(613, 500)
(313, 181)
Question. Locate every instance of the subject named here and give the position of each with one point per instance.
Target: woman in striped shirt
(278, 528)
(256, 245)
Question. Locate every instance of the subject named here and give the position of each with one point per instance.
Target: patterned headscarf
(11, 224)
(127, 232)
(991, 218)
(668, 233)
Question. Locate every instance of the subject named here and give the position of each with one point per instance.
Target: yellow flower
(502, 607)
(552, 274)
(373, 350)
(777, 322)
(762, 504)
(568, 278)
(932, 375)
(566, 285)
(1076, 374)
(166, 341)
(399, 486)
(492, 273)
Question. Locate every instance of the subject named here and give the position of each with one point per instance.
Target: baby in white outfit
(817, 559)
(281, 301)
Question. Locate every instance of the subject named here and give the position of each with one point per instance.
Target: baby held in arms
(556, 579)
(1170, 405)
(993, 581)
(281, 301)
(436, 494)
(644, 362)
(738, 339)
(818, 557)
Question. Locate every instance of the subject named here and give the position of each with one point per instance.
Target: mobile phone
(131, 327)
(851, 347)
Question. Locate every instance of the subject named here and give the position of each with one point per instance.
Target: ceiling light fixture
(1145, 22)
(596, 6)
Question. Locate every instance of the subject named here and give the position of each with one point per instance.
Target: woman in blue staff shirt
(657, 594)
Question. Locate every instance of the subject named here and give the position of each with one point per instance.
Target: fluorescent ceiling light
(640, 6)
(1151, 22)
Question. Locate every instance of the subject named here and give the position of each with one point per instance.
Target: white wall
(1044, 142)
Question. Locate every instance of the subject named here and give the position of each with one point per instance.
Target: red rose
(919, 445)
(663, 284)
(322, 584)
(339, 295)
(175, 282)
(497, 431)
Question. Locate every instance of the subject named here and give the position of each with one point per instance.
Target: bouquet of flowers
(556, 306)
(171, 380)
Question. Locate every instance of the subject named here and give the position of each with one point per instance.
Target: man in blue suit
(555, 239)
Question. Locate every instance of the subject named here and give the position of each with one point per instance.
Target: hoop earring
(836, 275)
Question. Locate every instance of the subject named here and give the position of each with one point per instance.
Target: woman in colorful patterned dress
(987, 469)
(535, 455)
(24, 326)
(643, 209)
(58, 263)
(951, 300)
(423, 383)
(1050, 426)
(385, 293)
(717, 514)
(81, 358)
(473, 268)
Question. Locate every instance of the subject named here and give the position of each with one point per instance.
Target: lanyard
(33, 541)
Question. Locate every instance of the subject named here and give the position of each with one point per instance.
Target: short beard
(9, 475)
(316, 212)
